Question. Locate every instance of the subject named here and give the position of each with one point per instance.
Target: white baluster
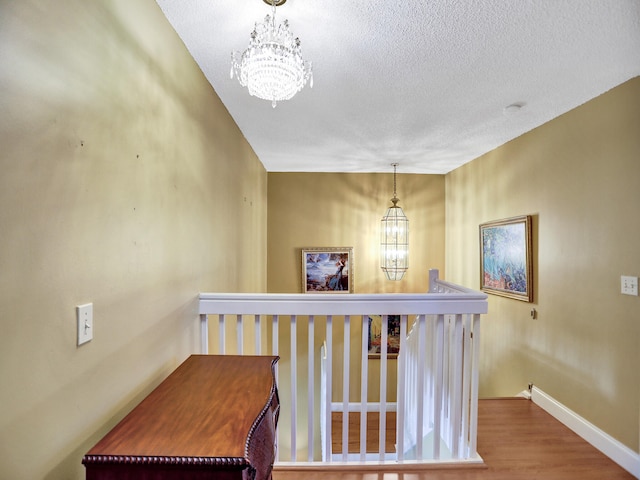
(345, 387)
(221, 335)
(258, 335)
(294, 387)
(275, 332)
(420, 388)
(383, 386)
(364, 381)
(402, 381)
(328, 399)
(466, 386)
(475, 345)
(456, 401)
(310, 388)
(239, 335)
(438, 387)
(204, 334)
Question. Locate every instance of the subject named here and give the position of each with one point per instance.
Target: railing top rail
(302, 304)
(444, 298)
(352, 304)
(437, 285)
(441, 286)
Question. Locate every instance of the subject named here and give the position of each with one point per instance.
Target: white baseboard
(612, 448)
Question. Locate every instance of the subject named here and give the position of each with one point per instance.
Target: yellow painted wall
(338, 210)
(579, 176)
(120, 170)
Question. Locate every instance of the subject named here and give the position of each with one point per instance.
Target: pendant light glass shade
(394, 239)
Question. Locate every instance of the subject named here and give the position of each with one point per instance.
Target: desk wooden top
(205, 409)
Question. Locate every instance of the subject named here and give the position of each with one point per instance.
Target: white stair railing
(440, 412)
(437, 359)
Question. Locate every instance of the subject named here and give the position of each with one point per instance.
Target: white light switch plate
(84, 316)
(629, 285)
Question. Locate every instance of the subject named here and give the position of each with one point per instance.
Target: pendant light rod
(395, 198)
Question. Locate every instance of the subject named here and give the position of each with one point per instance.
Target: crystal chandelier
(272, 67)
(394, 240)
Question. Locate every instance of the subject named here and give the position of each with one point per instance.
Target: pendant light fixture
(272, 67)
(394, 239)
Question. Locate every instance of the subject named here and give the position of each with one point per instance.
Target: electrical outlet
(629, 285)
(84, 318)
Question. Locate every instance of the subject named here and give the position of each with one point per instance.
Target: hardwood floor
(517, 440)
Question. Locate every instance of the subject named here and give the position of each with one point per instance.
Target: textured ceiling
(422, 83)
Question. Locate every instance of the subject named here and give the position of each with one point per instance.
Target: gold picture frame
(327, 270)
(505, 258)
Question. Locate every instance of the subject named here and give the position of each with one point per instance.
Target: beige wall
(579, 176)
(123, 182)
(337, 210)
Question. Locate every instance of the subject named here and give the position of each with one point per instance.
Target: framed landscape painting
(505, 258)
(327, 270)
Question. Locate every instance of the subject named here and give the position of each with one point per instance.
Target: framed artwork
(327, 270)
(505, 258)
(375, 335)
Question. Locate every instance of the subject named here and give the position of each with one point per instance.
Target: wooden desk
(214, 417)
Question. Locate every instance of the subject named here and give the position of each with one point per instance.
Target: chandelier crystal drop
(394, 238)
(272, 67)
